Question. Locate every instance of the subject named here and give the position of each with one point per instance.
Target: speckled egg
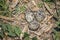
(40, 15)
(34, 25)
(29, 16)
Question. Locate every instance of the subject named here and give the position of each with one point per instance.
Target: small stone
(29, 16)
(34, 25)
(40, 15)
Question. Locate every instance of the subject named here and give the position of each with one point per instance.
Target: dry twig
(24, 30)
(48, 9)
(6, 18)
